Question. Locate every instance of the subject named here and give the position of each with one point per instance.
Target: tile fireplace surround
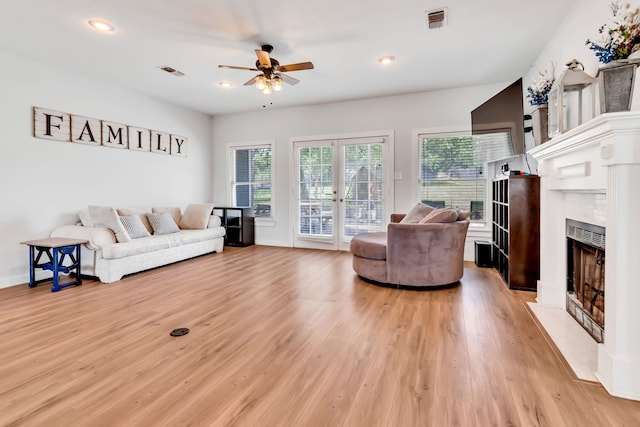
(592, 174)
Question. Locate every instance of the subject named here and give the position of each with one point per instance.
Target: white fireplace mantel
(601, 158)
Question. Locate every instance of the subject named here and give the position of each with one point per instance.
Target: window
(452, 168)
(251, 177)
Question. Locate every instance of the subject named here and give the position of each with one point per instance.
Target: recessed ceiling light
(101, 25)
(225, 84)
(386, 60)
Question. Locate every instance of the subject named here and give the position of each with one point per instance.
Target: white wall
(44, 183)
(447, 109)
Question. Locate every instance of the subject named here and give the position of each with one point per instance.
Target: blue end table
(59, 251)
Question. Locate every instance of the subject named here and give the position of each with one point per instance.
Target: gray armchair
(411, 255)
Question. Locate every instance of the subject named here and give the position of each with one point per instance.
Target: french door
(341, 189)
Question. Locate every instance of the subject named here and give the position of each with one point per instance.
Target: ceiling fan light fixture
(277, 84)
(272, 74)
(386, 60)
(101, 25)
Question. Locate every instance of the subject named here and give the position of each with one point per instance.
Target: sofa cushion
(158, 242)
(162, 223)
(196, 216)
(416, 213)
(107, 217)
(141, 212)
(175, 213)
(440, 216)
(370, 245)
(134, 226)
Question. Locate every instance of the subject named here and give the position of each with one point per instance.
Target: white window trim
(246, 145)
(415, 152)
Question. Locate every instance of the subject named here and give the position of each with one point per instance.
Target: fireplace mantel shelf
(604, 128)
(591, 174)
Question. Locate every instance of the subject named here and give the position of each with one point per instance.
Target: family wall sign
(58, 126)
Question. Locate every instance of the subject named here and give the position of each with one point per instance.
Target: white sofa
(108, 260)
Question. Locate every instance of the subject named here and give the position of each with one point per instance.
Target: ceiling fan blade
(233, 67)
(252, 81)
(295, 67)
(263, 58)
(288, 79)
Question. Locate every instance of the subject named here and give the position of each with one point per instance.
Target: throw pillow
(134, 226)
(107, 217)
(462, 215)
(416, 213)
(196, 216)
(440, 216)
(85, 218)
(175, 213)
(142, 214)
(162, 223)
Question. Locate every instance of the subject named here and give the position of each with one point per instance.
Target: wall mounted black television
(503, 111)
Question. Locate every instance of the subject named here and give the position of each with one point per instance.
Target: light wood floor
(285, 337)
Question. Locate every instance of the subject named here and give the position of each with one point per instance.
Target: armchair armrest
(395, 218)
(97, 237)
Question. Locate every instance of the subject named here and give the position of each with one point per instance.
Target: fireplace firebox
(585, 276)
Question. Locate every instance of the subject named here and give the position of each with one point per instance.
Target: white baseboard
(22, 279)
(278, 243)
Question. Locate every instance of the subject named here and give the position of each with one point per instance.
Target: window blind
(452, 169)
(251, 185)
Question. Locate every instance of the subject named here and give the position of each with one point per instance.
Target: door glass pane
(363, 181)
(315, 179)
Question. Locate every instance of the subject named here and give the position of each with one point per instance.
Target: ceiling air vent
(172, 70)
(436, 18)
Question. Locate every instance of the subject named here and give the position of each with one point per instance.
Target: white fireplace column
(553, 248)
(600, 156)
(619, 355)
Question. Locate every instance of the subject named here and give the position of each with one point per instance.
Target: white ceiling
(484, 42)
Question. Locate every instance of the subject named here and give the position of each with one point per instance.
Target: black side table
(239, 223)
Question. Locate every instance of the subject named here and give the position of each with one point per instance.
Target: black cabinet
(516, 230)
(239, 223)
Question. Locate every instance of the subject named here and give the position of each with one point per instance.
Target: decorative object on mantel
(540, 121)
(617, 47)
(59, 126)
(538, 94)
(616, 81)
(619, 39)
(571, 99)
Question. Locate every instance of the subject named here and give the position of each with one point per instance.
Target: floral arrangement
(539, 89)
(618, 38)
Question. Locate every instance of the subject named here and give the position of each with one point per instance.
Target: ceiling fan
(271, 76)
